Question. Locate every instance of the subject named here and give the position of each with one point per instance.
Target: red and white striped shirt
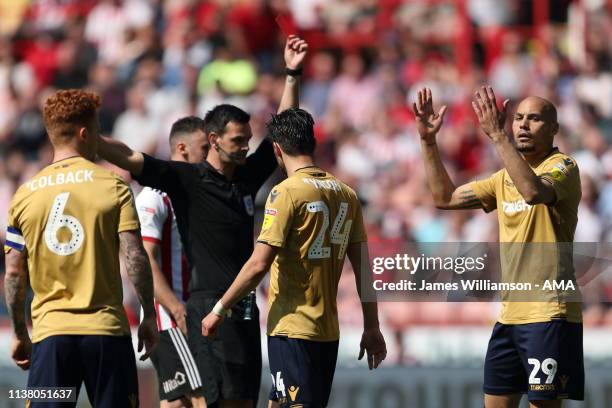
(158, 225)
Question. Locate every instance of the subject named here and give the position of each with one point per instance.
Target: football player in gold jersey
(312, 220)
(536, 346)
(65, 227)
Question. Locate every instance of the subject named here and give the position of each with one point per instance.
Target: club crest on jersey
(248, 205)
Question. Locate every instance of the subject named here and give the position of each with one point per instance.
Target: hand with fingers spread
(295, 52)
(428, 122)
(491, 119)
(373, 344)
(148, 336)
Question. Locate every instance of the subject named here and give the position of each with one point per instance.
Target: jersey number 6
(57, 220)
(317, 250)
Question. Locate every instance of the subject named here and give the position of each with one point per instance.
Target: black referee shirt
(214, 215)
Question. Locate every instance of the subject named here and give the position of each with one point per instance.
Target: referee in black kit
(213, 203)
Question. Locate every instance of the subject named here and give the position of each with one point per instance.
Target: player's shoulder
(559, 157)
(498, 174)
(560, 163)
(21, 195)
(151, 193)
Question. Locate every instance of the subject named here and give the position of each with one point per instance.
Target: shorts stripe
(189, 357)
(186, 358)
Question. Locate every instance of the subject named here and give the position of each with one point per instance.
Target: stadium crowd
(154, 61)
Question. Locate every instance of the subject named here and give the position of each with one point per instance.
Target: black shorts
(302, 371)
(543, 360)
(106, 364)
(230, 363)
(176, 368)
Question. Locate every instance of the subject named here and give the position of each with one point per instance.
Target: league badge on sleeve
(269, 216)
(248, 205)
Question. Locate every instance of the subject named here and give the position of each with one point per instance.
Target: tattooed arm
(446, 195)
(15, 291)
(139, 272)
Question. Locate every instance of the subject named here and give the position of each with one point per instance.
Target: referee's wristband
(221, 311)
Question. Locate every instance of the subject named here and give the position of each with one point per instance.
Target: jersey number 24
(339, 234)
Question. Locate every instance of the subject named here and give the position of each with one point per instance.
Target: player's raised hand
(148, 336)
(490, 117)
(210, 324)
(373, 344)
(21, 352)
(295, 52)
(427, 120)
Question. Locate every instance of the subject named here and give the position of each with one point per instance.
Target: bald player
(536, 346)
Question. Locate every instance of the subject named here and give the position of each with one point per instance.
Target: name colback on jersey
(311, 218)
(68, 218)
(60, 179)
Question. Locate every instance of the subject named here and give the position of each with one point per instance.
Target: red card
(286, 24)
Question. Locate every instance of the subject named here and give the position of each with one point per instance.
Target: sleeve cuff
(128, 226)
(274, 243)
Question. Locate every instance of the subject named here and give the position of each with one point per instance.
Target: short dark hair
(188, 124)
(217, 118)
(185, 126)
(293, 130)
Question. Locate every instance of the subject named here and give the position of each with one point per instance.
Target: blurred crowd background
(154, 61)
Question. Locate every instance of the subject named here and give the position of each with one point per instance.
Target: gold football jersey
(312, 218)
(68, 218)
(535, 240)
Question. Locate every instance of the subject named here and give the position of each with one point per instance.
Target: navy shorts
(106, 364)
(302, 371)
(543, 360)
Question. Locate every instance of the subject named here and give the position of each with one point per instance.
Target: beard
(525, 148)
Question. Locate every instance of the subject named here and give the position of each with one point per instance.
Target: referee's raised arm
(295, 52)
(121, 155)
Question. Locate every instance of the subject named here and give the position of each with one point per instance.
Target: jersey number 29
(57, 220)
(339, 233)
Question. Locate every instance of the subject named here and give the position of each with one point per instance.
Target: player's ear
(181, 147)
(277, 149)
(212, 139)
(555, 128)
(83, 134)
